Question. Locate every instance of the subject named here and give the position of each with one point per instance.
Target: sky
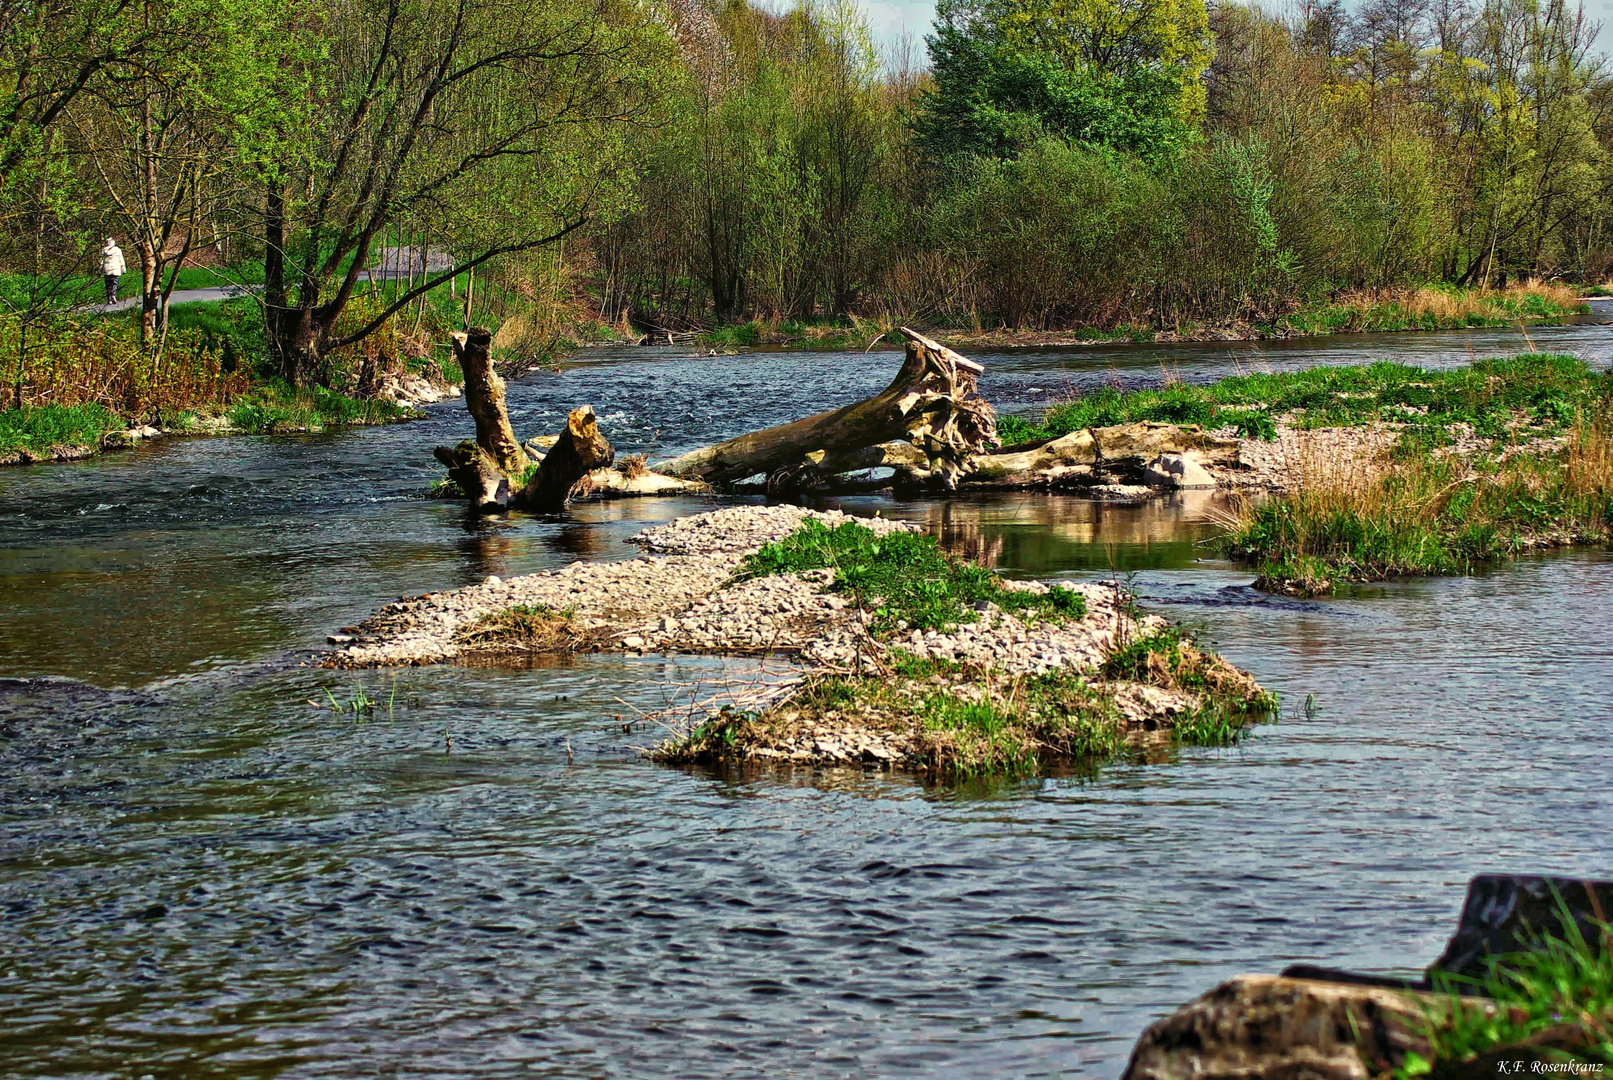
(889, 18)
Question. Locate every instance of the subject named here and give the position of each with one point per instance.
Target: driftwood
(932, 403)
(929, 427)
(566, 466)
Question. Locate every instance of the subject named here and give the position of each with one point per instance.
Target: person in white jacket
(112, 268)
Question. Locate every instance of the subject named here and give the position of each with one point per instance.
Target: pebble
(681, 599)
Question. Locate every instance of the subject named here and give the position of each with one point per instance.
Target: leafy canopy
(1122, 74)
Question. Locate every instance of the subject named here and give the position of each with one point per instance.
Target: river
(203, 873)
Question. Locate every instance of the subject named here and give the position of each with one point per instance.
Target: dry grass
(1588, 461)
(535, 630)
(634, 466)
(1375, 517)
(1430, 308)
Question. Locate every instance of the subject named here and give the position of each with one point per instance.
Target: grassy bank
(1551, 1004)
(68, 381)
(959, 720)
(45, 432)
(1539, 392)
(1417, 511)
(1435, 307)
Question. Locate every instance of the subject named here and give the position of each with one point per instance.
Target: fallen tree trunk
(933, 403)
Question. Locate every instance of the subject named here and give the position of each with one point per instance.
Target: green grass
(1543, 389)
(904, 578)
(1553, 1001)
(1420, 514)
(276, 406)
(39, 428)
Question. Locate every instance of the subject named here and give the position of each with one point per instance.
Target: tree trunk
(932, 403)
(484, 397)
(477, 475)
(579, 451)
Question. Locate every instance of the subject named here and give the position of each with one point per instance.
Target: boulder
(1507, 913)
(1177, 471)
(1269, 1026)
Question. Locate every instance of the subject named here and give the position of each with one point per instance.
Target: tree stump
(484, 397)
(564, 472)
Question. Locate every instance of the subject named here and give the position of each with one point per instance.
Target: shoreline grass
(1416, 513)
(1542, 390)
(1551, 1003)
(1356, 311)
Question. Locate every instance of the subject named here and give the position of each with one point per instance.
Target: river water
(204, 874)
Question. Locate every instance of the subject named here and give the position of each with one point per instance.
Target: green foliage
(1490, 395)
(1008, 72)
(904, 578)
(40, 428)
(1561, 983)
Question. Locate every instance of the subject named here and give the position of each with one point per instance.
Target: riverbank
(42, 433)
(905, 657)
(1370, 473)
(1349, 312)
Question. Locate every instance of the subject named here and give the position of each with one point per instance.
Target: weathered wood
(579, 451)
(484, 397)
(933, 403)
(477, 475)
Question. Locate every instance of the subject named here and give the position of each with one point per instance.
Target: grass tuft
(530, 629)
(1552, 1002)
(903, 578)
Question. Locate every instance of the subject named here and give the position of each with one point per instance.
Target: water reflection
(1038, 533)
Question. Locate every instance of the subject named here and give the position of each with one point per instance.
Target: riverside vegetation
(1469, 466)
(1554, 999)
(74, 380)
(566, 169)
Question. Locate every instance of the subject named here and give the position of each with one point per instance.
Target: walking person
(112, 268)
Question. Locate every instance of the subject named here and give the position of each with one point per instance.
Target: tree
(483, 127)
(166, 142)
(1124, 74)
(53, 51)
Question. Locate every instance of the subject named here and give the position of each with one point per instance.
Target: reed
(1375, 516)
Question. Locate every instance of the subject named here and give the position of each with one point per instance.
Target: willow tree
(489, 126)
